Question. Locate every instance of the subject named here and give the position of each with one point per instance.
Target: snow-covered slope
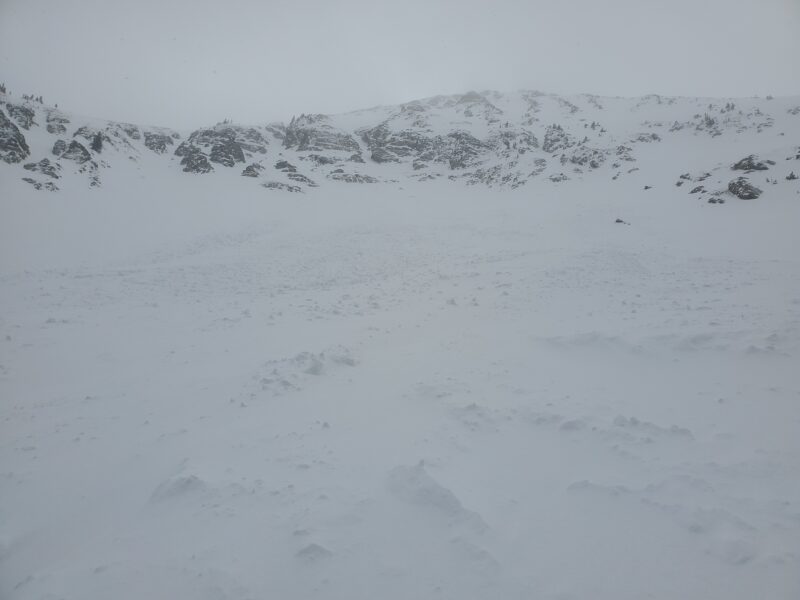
(413, 388)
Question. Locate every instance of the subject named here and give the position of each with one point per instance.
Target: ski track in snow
(470, 397)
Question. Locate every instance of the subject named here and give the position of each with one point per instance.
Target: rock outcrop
(196, 162)
(76, 152)
(45, 167)
(21, 114)
(157, 142)
(224, 144)
(13, 147)
(742, 188)
(751, 163)
(315, 133)
(56, 123)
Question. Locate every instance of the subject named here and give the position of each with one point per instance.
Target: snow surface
(416, 390)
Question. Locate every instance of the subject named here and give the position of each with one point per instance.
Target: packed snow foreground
(410, 388)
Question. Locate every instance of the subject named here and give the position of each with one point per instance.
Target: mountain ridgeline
(713, 148)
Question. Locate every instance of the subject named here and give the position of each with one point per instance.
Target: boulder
(743, 189)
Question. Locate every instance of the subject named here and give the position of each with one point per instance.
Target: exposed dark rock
(76, 152)
(698, 189)
(40, 185)
(584, 155)
(648, 187)
(791, 176)
(750, 163)
(56, 123)
(741, 188)
(252, 170)
(621, 222)
(21, 114)
(497, 175)
(45, 167)
(356, 158)
(91, 134)
(457, 149)
(223, 144)
(557, 178)
(647, 137)
(624, 153)
(196, 162)
(56, 128)
(187, 148)
(53, 116)
(59, 147)
(509, 141)
(277, 185)
(312, 132)
(388, 146)
(132, 131)
(322, 160)
(13, 147)
(251, 140)
(157, 142)
(539, 165)
(97, 142)
(353, 178)
(278, 130)
(679, 183)
(555, 138)
(301, 179)
(285, 166)
(227, 153)
(381, 155)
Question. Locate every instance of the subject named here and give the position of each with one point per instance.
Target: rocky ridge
(486, 138)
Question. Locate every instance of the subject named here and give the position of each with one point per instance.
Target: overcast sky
(186, 63)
